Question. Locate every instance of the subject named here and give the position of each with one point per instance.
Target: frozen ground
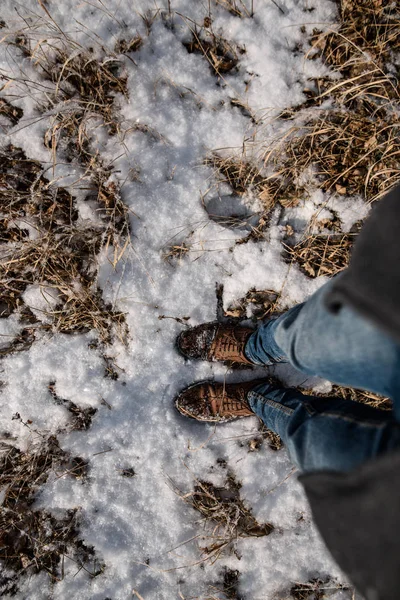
(145, 534)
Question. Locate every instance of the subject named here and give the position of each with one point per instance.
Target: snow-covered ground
(140, 528)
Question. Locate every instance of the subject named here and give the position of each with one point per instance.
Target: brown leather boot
(215, 342)
(215, 402)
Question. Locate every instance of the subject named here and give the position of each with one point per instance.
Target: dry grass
(125, 46)
(350, 149)
(348, 153)
(81, 418)
(369, 398)
(35, 540)
(13, 113)
(259, 303)
(272, 439)
(222, 56)
(374, 400)
(112, 210)
(60, 256)
(237, 172)
(82, 88)
(23, 341)
(78, 74)
(84, 84)
(353, 147)
(44, 242)
(235, 7)
(360, 51)
(316, 589)
(92, 81)
(85, 91)
(245, 177)
(25, 192)
(319, 255)
(69, 134)
(176, 252)
(224, 516)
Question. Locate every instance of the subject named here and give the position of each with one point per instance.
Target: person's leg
(343, 348)
(324, 433)
(327, 433)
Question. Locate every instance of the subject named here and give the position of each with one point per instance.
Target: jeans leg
(342, 347)
(261, 347)
(325, 433)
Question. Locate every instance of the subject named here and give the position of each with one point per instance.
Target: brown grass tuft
(83, 76)
(374, 400)
(176, 252)
(360, 50)
(60, 256)
(124, 46)
(348, 153)
(235, 7)
(260, 303)
(321, 255)
(222, 56)
(238, 173)
(316, 589)
(246, 177)
(35, 540)
(353, 147)
(84, 97)
(224, 515)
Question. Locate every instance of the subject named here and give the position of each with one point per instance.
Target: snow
(136, 524)
(42, 300)
(9, 329)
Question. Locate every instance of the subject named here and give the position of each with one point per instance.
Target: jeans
(328, 433)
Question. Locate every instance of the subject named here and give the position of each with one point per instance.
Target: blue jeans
(328, 433)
